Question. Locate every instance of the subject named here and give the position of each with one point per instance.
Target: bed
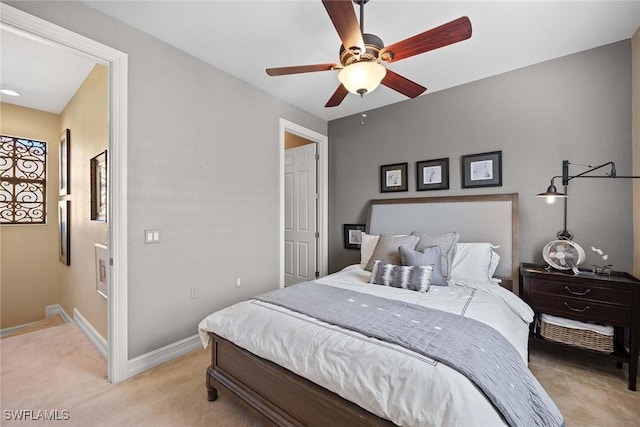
(292, 368)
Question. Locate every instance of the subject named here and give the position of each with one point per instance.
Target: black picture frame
(393, 178)
(432, 174)
(352, 235)
(98, 168)
(64, 219)
(63, 163)
(481, 170)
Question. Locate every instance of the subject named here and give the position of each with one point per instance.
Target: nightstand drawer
(580, 290)
(582, 309)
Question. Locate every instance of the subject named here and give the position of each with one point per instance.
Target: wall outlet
(194, 293)
(238, 282)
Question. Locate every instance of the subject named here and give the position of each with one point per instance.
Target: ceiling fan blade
(444, 35)
(337, 97)
(297, 69)
(344, 19)
(402, 84)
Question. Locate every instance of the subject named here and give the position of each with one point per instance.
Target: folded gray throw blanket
(471, 347)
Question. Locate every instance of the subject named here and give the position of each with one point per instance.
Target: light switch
(151, 236)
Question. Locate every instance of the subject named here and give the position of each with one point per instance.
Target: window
(23, 184)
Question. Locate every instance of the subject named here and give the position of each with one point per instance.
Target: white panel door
(300, 214)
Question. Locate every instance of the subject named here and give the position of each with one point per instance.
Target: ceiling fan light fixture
(362, 77)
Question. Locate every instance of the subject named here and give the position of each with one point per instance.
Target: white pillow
(474, 261)
(367, 246)
(495, 259)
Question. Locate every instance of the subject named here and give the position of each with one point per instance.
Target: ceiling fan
(361, 53)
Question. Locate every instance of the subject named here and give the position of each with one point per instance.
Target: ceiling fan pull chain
(363, 115)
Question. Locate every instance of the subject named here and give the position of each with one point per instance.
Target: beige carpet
(588, 390)
(58, 369)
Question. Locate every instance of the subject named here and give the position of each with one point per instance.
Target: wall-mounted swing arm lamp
(552, 193)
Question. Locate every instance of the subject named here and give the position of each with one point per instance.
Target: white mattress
(387, 380)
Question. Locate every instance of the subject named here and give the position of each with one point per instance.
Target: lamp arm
(554, 177)
(566, 178)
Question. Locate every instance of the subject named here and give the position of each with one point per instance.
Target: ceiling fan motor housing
(372, 45)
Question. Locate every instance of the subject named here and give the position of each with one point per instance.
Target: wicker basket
(577, 337)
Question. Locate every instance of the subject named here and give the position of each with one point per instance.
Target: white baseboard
(93, 335)
(52, 310)
(11, 329)
(164, 354)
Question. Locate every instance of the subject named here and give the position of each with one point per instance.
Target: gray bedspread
(471, 347)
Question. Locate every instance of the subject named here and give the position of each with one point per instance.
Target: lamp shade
(362, 77)
(551, 194)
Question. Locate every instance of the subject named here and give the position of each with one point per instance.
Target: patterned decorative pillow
(447, 243)
(428, 256)
(414, 278)
(387, 249)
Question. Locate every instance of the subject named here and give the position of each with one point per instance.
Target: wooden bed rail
(276, 395)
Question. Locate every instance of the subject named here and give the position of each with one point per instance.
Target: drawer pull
(577, 293)
(580, 310)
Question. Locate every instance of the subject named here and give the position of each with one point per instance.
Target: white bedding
(417, 391)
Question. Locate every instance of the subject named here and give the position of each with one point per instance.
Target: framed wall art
(432, 175)
(393, 177)
(102, 269)
(482, 170)
(64, 219)
(99, 187)
(63, 162)
(353, 235)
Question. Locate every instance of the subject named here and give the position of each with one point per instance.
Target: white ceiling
(243, 38)
(45, 75)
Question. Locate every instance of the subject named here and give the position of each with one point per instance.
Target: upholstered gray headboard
(479, 218)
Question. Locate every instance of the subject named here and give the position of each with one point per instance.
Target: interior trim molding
(49, 311)
(163, 354)
(322, 142)
(52, 310)
(19, 22)
(12, 329)
(94, 336)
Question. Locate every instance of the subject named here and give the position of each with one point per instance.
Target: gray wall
(576, 108)
(203, 167)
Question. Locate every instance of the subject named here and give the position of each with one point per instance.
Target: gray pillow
(414, 278)
(427, 256)
(447, 243)
(386, 249)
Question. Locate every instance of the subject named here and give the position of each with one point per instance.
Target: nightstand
(612, 300)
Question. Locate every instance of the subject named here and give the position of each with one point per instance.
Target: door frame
(322, 184)
(25, 24)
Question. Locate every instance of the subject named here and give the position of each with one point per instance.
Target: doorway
(301, 204)
(303, 231)
(19, 22)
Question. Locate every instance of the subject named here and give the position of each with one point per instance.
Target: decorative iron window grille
(23, 183)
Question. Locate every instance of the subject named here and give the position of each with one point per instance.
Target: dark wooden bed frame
(278, 396)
